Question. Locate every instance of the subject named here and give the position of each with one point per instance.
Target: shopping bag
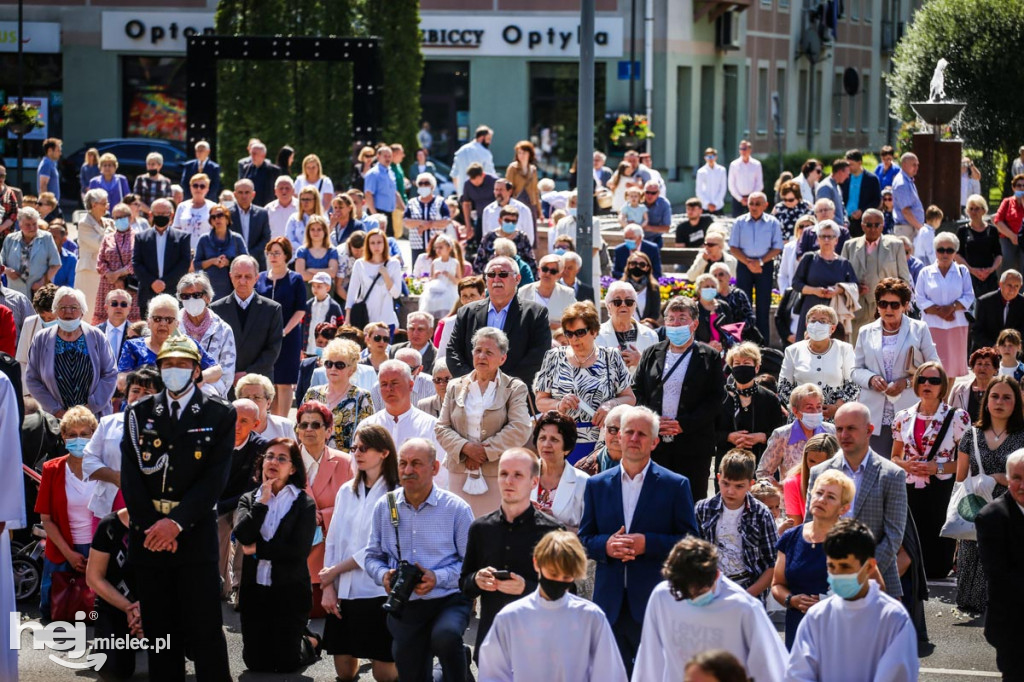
(967, 500)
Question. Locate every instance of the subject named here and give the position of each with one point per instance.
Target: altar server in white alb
(697, 608)
(551, 634)
(860, 632)
(12, 516)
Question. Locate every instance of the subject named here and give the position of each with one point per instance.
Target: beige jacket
(506, 424)
(90, 238)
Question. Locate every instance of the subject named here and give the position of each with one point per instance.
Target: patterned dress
(788, 216)
(353, 408)
(115, 253)
(593, 385)
(73, 371)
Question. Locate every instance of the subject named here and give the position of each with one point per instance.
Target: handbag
(69, 594)
(359, 314)
(967, 500)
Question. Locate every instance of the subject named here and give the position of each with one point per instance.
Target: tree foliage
(308, 105)
(979, 39)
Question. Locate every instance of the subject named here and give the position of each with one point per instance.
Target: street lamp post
(585, 142)
(21, 85)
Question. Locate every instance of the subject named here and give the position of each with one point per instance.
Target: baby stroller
(27, 558)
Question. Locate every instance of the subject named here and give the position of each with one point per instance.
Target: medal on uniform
(199, 454)
(195, 408)
(146, 456)
(157, 443)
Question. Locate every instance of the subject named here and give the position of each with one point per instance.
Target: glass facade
(554, 105)
(153, 97)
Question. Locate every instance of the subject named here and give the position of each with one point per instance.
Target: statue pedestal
(938, 179)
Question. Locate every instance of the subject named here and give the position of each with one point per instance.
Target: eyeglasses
(892, 305)
(550, 271)
(612, 430)
(504, 274)
(302, 426)
(280, 459)
(378, 338)
(119, 304)
(71, 309)
(788, 200)
(194, 295)
(160, 319)
(306, 199)
(619, 302)
(826, 237)
(199, 185)
(442, 380)
(934, 381)
(576, 333)
(821, 211)
(335, 364)
(945, 250)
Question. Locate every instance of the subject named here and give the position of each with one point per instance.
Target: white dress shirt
(745, 178)
(312, 465)
(934, 288)
(414, 423)
(631, 488)
(243, 222)
(492, 216)
(104, 451)
(243, 303)
(348, 536)
(476, 404)
(712, 184)
(279, 215)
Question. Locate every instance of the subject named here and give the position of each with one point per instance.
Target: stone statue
(938, 87)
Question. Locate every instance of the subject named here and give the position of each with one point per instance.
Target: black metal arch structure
(204, 52)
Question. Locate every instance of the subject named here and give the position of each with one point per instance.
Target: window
(762, 101)
(554, 88)
(780, 88)
(837, 103)
(883, 107)
(444, 103)
(865, 103)
(783, 4)
(801, 101)
(867, 10)
(819, 97)
(855, 9)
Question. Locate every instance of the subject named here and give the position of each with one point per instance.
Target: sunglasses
(638, 264)
(892, 305)
(934, 381)
(442, 380)
(889, 199)
(863, 224)
(651, 192)
(945, 250)
(335, 364)
(504, 274)
(576, 333)
(160, 319)
(302, 426)
(198, 185)
(361, 448)
(619, 302)
(509, 222)
(788, 200)
(194, 295)
(378, 338)
(1019, 186)
(119, 304)
(219, 215)
(423, 184)
(549, 271)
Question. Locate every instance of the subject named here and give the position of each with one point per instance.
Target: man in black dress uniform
(175, 458)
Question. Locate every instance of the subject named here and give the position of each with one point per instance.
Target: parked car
(131, 155)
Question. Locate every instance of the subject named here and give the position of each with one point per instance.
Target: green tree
(977, 38)
(396, 22)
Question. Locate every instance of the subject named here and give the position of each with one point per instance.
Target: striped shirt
(73, 371)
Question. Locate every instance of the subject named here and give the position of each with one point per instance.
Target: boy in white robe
(12, 517)
(696, 609)
(860, 632)
(551, 634)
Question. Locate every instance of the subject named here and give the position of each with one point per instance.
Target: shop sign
(153, 31)
(516, 36)
(37, 37)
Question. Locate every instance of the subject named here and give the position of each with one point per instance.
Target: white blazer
(567, 507)
(914, 336)
(645, 337)
(561, 298)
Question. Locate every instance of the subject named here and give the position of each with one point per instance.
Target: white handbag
(967, 500)
(475, 483)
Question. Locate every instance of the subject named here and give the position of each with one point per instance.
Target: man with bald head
(525, 323)
(881, 498)
(249, 446)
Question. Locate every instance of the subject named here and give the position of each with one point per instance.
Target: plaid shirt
(150, 189)
(757, 531)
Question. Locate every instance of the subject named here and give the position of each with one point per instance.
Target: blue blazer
(622, 252)
(664, 514)
(211, 168)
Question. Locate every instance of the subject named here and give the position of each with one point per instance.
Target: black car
(131, 155)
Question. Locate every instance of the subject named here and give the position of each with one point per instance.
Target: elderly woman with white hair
(785, 447)
(980, 250)
(820, 273)
(71, 363)
(622, 331)
(30, 257)
(944, 293)
(211, 333)
(162, 320)
(425, 215)
(820, 360)
(484, 413)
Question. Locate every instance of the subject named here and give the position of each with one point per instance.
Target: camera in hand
(407, 577)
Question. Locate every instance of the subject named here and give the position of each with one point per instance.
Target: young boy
(320, 308)
(924, 240)
(698, 608)
(860, 632)
(740, 527)
(1008, 344)
(551, 634)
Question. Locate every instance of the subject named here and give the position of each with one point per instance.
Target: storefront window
(554, 105)
(444, 100)
(154, 97)
(43, 87)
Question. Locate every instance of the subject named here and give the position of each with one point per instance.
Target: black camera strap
(393, 506)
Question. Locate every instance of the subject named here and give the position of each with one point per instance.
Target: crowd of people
(247, 416)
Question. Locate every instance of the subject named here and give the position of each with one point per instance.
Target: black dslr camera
(407, 577)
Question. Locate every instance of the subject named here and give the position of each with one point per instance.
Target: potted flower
(629, 131)
(20, 118)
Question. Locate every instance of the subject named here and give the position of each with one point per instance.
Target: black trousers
(429, 628)
(627, 635)
(274, 622)
(120, 663)
(928, 505)
(686, 461)
(183, 604)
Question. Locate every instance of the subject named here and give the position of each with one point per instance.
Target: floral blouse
(603, 380)
(353, 408)
(788, 216)
(903, 427)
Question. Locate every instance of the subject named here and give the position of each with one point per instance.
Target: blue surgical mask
(633, 246)
(318, 351)
(708, 293)
(76, 446)
(47, 325)
(176, 379)
(678, 336)
(68, 326)
(704, 599)
(508, 227)
(571, 211)
(559, 251)
(812, 420)
(1019, 193)
(847, 585)
(122, 224)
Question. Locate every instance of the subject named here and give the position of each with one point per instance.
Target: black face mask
(743, 374)
(161, 220)
(637, 272)
(554, 589)
(152, 172)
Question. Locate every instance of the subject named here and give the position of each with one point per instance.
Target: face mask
(424, 192)
(819, 331)
(161, 220)
(678, 336)
(176, 379)
(229, 205)
(554, 589)
(633, 246)
(152, 172)
(708, 293)
(76, 446)
(1019, 193)
(122, 224)
(571, 211)
(704, 599)
(559, 252)
(318, 351)
(47, 325)
(812, 420)
(846, 586)
(508, 227)
(744, 374)
(637, 272)
(69, 326)
(194, 306)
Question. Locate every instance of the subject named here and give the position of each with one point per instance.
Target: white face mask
(818, 331)
(176, 379)
(68, 326)
(424, 192)
(812, 420)
(194, 306)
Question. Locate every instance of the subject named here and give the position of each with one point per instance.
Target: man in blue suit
(202, 164)
(633, 235)
(633, 514)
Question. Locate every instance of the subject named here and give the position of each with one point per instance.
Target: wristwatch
(789, 598)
